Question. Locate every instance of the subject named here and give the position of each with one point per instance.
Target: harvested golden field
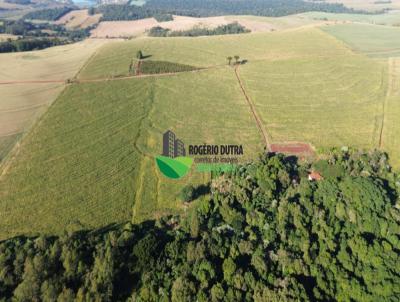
(79, 19)
(22, 102)
(255, 24)
(5, 37)
(139, 27)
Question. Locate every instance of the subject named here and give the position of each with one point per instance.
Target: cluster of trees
(28, 44)
(50, 14)
(34, 36)
(208, 8)
(21, 2)
(265, 233)
(157, 67)
(116, 12)
(236, 57)
(163, 17)
(228, 29)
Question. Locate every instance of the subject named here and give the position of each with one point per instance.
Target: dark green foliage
(29, 44)
(50, 14)
(231, 28)
(163, 17)
(265, 233)
(154, 67)
(139, 55)
(208, 8)
(91, 11)
(158, 31)
(36, 35)
(187, 193)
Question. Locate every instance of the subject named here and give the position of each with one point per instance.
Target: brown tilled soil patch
(295, 148)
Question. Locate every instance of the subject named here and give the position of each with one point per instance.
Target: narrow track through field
(257, 119)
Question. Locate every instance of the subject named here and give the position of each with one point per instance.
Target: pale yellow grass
(79, 19)
(369, 5)
(139, 27)
(136, 28)
(5, 37)
(21, 103)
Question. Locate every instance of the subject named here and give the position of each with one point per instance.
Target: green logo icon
(173, 162)
(174, 168)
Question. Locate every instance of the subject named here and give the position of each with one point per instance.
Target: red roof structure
(315, 176)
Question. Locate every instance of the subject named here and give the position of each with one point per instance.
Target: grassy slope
(391, 129)
(21, 104)
(373, 40)
(115, 57)
(92, 156)
(326, 101)
(391, 18)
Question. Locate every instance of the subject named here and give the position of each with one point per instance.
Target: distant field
(369, 5)
(79, 19)
(373, 40)
(114, 58)
(5, 37)
(255, 24)
(22, 103)
(390, 18)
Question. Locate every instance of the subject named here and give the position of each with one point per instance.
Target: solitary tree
(139, 54)
(236, 59)
(91, 11)
(229, 60)
(187, 194)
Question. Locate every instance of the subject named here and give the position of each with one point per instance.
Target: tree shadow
(146, 56)
(201, 190)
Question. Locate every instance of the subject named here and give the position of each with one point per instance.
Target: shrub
(187, 194)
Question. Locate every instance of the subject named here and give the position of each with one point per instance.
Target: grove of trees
(208, 8)
(265, 233)
(228, 29)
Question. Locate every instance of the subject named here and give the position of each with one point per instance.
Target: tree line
(34, 36)
(51, 14)
(265, 233)
(228, 29)
(208, 8)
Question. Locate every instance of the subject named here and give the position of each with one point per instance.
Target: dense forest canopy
(265, 233)
(207, 8)
(34, 36)
(50, 14)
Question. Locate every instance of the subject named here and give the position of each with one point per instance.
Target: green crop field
(90, 161)
(92, 156)
(373, 40)
(327, 102)
(21, 102)
(114, 59)
(390, 140)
